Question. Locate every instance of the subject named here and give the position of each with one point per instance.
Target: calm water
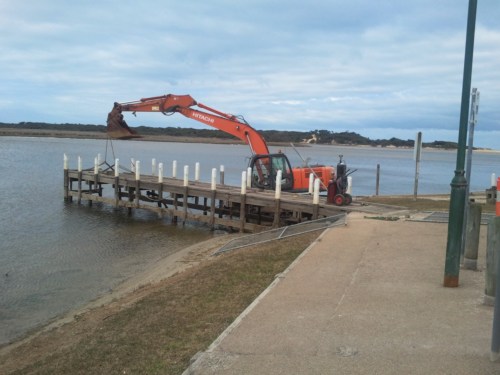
(56, 256)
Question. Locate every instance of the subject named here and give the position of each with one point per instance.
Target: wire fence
(443, 217)
(283, 232)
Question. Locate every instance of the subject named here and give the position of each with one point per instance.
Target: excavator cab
(265, 169)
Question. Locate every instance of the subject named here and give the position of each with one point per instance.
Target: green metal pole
(459, 183)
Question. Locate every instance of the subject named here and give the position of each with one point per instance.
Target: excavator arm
(263, 164)
(183, 104)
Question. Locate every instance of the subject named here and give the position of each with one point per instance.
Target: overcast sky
(386, 68)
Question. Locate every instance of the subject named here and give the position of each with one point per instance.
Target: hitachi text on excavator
(263, 164)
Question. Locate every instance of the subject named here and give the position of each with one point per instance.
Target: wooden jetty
(216, 204)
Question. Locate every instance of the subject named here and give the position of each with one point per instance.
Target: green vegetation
(60, 127)
(422, 203)
(271, 136)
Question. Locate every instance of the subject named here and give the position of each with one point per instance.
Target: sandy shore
(43, 133)
(14, 132)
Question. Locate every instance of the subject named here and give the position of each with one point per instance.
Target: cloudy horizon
(381, 69)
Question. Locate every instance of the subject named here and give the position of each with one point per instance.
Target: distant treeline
(271, 136)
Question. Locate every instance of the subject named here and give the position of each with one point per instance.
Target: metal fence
(283, 232)
(442, 217)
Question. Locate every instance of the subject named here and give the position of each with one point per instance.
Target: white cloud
(355, 65)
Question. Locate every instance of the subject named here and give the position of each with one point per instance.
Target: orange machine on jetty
(263, 164)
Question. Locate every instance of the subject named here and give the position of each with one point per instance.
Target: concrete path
(366, 298)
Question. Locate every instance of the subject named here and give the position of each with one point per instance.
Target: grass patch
(421, 204)
(160, 332)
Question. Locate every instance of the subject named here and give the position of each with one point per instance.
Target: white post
(174, 169)
(349, 185)
(137, 170)
(277, 192)
(98, 159)
(117, 167)
(79, 164)
(214, 179)
(311, 183)
(316, 191)
(186, 175)
(96, 165)
(243, 183)
(197, 171)
(493, 180)
(65, 158)
(153, 166)
(249, 177)
(160, 172)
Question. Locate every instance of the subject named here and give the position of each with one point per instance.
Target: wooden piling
(492, 253)
(316, 199)
(243, 193)
(377, 180)
(212, 209)
(213, 188)
(79, 199)
(97, 185)
(67, 197)
(497, 207)
(221, 174)
(495, 336)
(68, 186)
(137, 182)
(472, 230)
(185, 204)
(277, 197)
(117, 191)
(176, 207)
(243, 211)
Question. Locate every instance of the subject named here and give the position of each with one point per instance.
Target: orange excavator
(263, 164)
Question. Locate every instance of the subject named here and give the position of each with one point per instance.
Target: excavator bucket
(117, 127)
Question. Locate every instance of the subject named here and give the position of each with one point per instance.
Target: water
(55, 256)
(397, 169)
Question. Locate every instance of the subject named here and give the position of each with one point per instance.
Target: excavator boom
(184, 104)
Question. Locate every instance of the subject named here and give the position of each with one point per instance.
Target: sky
(383, 69)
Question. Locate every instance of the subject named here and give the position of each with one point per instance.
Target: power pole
(416, 156)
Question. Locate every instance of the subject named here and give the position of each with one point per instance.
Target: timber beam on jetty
(216, 204)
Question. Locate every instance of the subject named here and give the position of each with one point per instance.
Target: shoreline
(131, 289)
(178, 290)
(42, 133)
(11, 132)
